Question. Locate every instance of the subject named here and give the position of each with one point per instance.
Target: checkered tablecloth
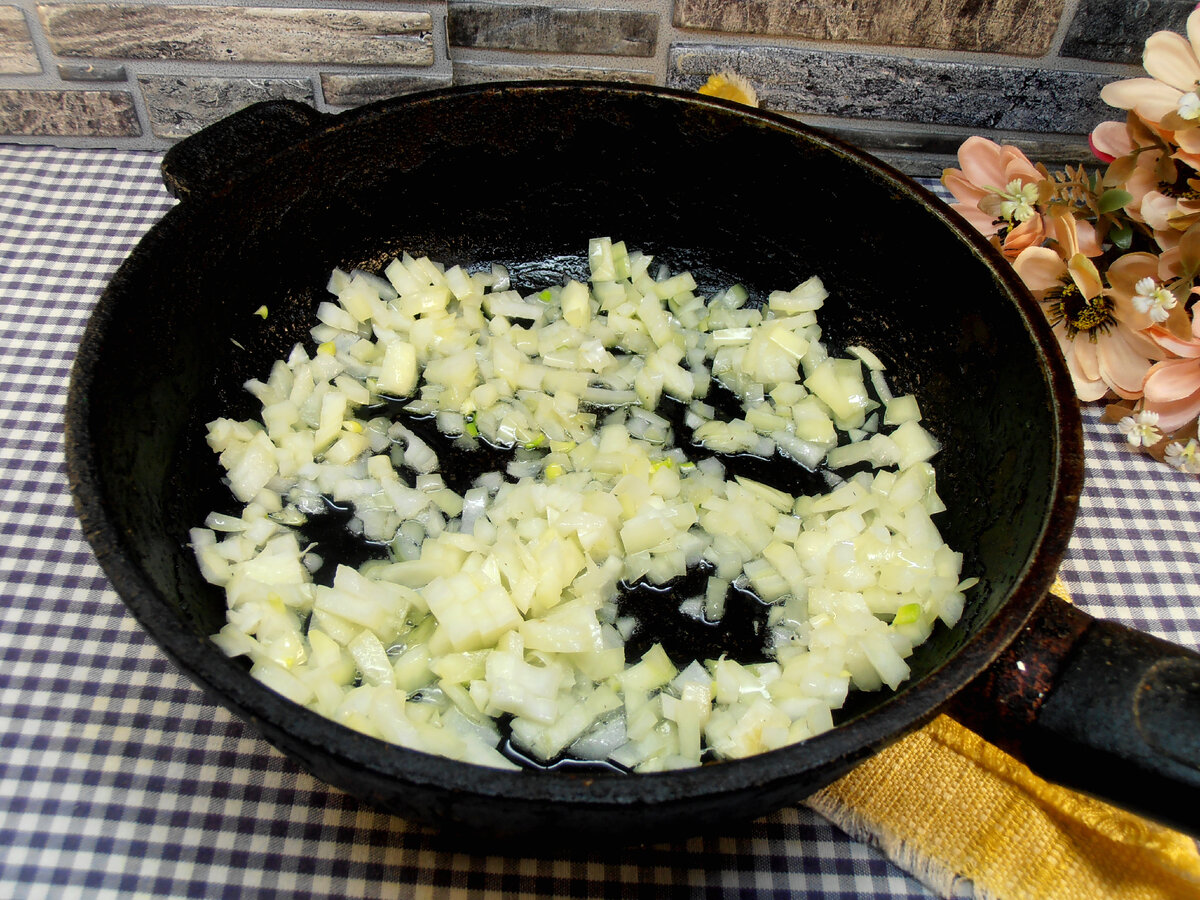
(119, 779)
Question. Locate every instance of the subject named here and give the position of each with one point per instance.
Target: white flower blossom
(1185, 458)
(1018, 202)
(1151, 297)
(1141, 430)
(1189, 106)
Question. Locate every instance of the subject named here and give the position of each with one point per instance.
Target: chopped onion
(501, 601)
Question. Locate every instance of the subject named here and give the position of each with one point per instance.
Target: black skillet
(276, 196)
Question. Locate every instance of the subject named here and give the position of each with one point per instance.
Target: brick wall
(907, 79)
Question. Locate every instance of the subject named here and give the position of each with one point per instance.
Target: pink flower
(1169, 216)
(1172, 386)
(1113, 140)
(1097, 329)
(1098, 149)
(1169, 98)
(1000, 192)
(1159, 199)
(1141, 298)
(1000, 178)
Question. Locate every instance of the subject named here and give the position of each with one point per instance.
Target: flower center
(1066, 303)
(1177, 193)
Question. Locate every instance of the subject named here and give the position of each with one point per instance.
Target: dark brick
(545, 29)
(480, 73)
(355, 90)
(1116, 30)
(892, 88)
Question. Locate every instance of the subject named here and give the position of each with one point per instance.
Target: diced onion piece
(810, 295)
(914, 442)
(398, 370)
(899, 410)
(869, 359)
(600, 259)
(838, 383)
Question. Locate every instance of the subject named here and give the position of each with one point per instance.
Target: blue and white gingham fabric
(119, 779)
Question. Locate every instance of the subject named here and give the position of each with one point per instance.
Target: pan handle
(1097, 707)
(207, 163)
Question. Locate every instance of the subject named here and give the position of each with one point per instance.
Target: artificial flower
(730, 86)
(1097, 329)
(1138, 281)
(1168, 98)
(1169, 215)
(1111, 141)
(1184, 457)
(1002, 194)
(1141, 430)
(1113, 256)
(1157, 194)
(1151, 298)
(1172, 386)
(987, 169)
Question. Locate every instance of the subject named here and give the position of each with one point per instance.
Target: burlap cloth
(958, 813)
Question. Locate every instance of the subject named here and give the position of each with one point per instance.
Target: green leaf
(1112, 200)
(1121, 237)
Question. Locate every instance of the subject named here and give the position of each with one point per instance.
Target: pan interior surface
(516, 175)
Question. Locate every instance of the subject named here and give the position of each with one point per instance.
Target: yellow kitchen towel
(946, 806)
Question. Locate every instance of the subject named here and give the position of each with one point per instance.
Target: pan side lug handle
(208, 162)
(1097, 707)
